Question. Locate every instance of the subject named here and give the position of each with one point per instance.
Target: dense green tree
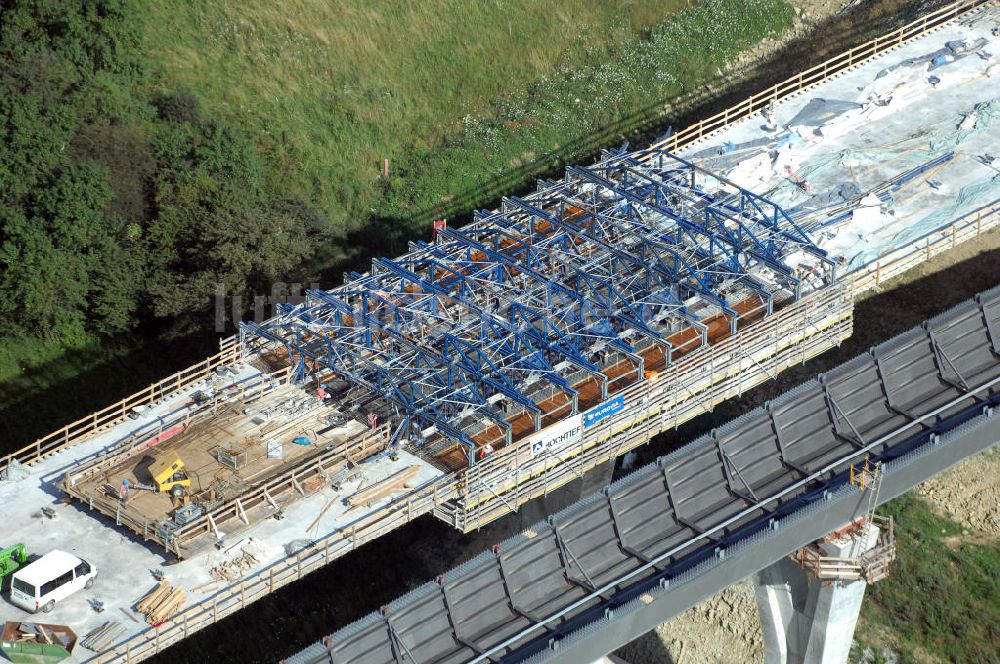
(215, 222)
(52, 224)
(118, 203)
(50, 248)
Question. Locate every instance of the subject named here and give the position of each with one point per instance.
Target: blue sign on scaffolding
(606, 409)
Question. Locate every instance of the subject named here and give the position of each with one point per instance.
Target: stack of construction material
(233, 570)
(36, 642)
(100, 638)
(29, 632)
(395, 483)
(162, 603)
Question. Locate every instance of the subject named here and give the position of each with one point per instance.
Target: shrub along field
(153, 150)
(120, 203)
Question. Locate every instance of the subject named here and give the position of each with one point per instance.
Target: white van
(50, 579)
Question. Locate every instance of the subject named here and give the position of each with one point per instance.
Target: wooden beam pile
(390, 485)
(233, 570)
(27, 632)
(100, 638)
(161, 603)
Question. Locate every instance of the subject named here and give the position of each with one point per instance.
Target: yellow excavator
(169, 476)
(168, 472)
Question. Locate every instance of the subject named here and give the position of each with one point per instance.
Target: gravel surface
(969, 493)
(724, 629)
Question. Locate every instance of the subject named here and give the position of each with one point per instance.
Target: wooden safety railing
(236, 596)
(233, 598)
(229, 353)
(83, 428)
(819, 73)
(926, 247)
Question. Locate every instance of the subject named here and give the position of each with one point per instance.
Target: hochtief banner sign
(561, 434)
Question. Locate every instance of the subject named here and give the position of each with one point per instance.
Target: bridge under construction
(549, 306)
(508, 357)
(642, 283)
(611, 567)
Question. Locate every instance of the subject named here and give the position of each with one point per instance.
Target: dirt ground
(722, 630)
(726, 628)
(808, 14)
(969, 493)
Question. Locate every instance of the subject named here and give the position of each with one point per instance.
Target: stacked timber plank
(100, 638)
(161, 603)
(383, 488)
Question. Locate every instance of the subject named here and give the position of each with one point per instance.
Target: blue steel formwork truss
(551, 289)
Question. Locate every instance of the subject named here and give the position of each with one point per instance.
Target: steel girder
(542, 288)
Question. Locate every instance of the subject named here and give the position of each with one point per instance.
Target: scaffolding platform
(500, 484)
(247, 455)
(569, 326)
(872, 565)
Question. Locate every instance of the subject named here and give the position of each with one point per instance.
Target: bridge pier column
(809, 602)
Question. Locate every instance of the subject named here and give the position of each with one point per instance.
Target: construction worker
(485, 451)
(321, 392)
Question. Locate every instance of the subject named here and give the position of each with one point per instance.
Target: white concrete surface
(124, 562)
(896, 112)
(782, 592)
(808, 621)
(609, 659)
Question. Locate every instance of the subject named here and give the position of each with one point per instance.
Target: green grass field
(465, 99)
(331, 89)
(468, 101)
(941, 602)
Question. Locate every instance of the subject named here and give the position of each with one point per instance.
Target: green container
(11, 559)
(33, 653)
(14, 648)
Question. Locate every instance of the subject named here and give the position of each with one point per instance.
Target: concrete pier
(809, 608)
